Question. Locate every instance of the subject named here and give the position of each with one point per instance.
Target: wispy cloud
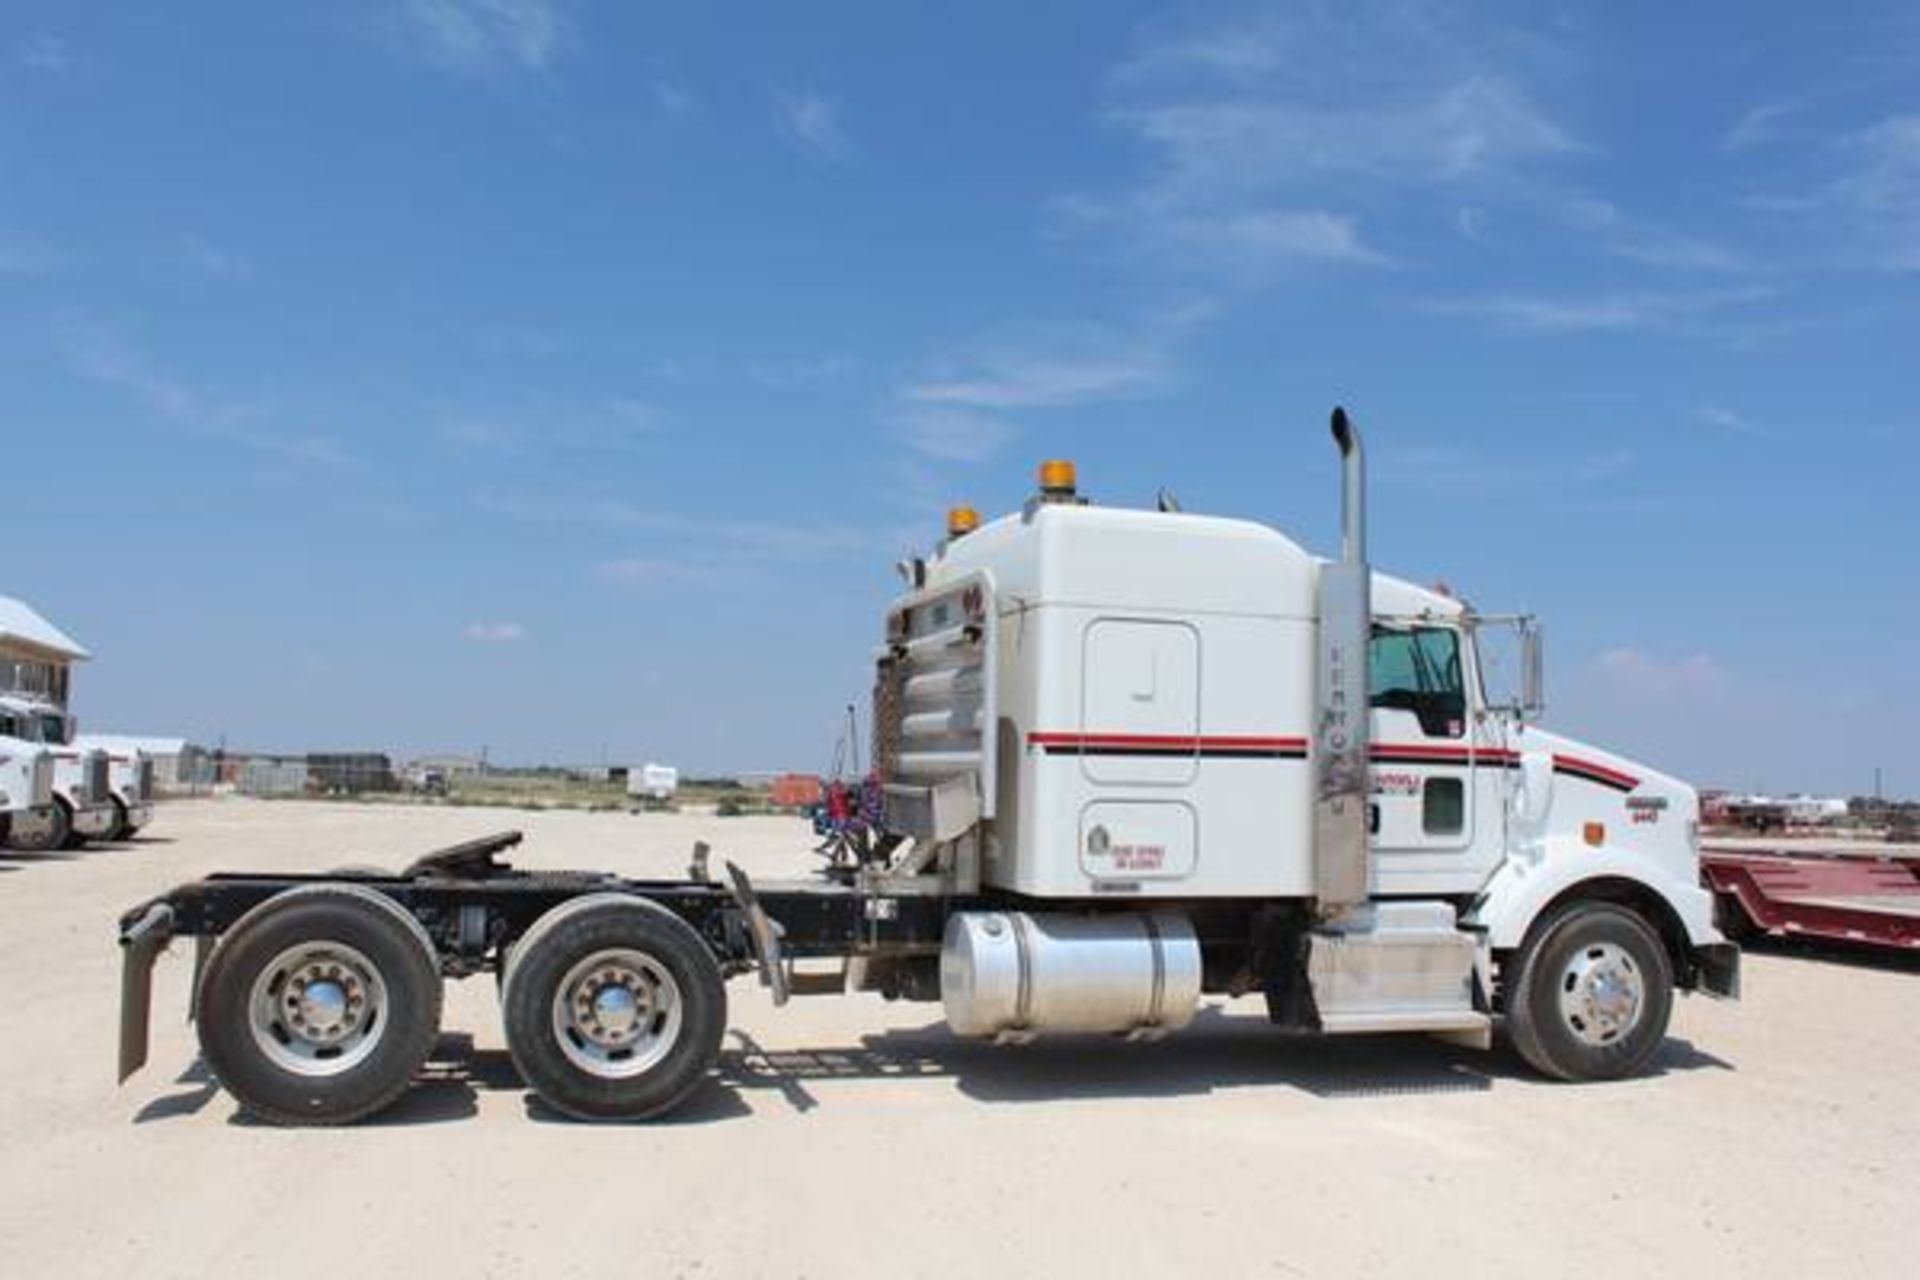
(1464, 129)
(953, 435)
(1866, 213)
(47, 53)
(478, 36)
(28, 256)
(1040, 367)
(1444, 472)
(615, 426)
(1016, 382)
(733, 540)
(99, 358)
(680, 571)
(671, 98)
(1696, 681)
(494, 632)
(1722, 418)
(1661, 311)
(1258, 240)
(812, 124)
(1756, 126)
(1265, 134)
(202, 254)
(1637, 240)
(801, 371)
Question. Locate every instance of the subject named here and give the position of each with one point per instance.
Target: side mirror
(1533, 683)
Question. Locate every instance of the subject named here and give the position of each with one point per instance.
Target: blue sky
(565, 377)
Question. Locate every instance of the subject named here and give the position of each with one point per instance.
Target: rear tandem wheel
(614, 1008)
(318, 1005)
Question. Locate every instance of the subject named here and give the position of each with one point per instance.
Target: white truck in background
(26, 779)
(84, 807)
(1125, 760)
(130, 781)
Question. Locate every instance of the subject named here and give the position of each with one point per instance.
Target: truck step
(817, 982)
(1397, 966)
(1361, 1022)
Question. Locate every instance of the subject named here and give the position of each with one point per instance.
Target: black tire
(122, 826)
(682, 1051)
(322, 915)
(45, 839)
(1564, 950)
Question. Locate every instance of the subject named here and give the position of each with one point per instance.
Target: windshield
(32, 726)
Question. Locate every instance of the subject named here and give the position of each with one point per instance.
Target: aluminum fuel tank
(1014, 975)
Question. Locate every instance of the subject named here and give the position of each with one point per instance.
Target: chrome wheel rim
(617, 1013)
(1602, 993)
(319, 1009)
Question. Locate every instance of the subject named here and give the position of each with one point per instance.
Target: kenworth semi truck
(83, 808)
(26, 779)
(1125, 760)
(130, 783)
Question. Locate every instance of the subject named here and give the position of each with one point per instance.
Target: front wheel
(1592, 995)
(614, 1008)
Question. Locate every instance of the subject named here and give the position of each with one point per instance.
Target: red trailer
(1852, 896)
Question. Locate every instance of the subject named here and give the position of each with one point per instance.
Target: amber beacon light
(962, 521)
(1057, 478)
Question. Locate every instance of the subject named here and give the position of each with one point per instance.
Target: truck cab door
(1428, 800)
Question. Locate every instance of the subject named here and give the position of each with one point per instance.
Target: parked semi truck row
(1126, 759)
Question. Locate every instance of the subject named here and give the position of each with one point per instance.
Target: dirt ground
(851, 1137)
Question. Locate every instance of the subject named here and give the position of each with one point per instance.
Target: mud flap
(140, 945)
(764, 933)
(1717, 967)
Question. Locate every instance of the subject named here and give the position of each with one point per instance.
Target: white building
(35, 655)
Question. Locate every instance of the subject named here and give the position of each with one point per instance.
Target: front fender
(1528, 881)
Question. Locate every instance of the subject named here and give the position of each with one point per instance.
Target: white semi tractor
(130, 781)
(26, 779)
(1127, 760)
(83, 806)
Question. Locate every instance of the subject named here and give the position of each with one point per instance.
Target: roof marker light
(1057, 478)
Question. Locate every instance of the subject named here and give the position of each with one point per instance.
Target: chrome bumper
(94, 821)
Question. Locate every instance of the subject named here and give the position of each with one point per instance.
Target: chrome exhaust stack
(1341, 731)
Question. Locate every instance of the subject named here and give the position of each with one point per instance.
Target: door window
(1443, 806)
(1418, 670)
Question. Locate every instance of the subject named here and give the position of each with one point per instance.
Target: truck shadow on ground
(12, 859)
(1839, 954)
(1216, 1053)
